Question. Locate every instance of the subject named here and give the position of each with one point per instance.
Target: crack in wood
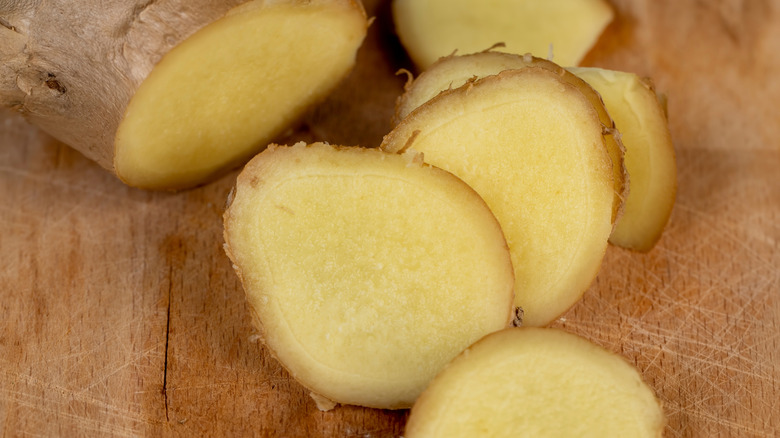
(167, 338)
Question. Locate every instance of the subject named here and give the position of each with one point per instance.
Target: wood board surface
(120, 314)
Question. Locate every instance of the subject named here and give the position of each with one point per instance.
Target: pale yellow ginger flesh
(537, 382)
(455, 70)
(533, 147)
(430, 29)
(232, 87)
(641, 119)
(366, 272)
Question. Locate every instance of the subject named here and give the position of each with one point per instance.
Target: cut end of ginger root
(228, 90)
(366, 271)
(185, 94)
(538, 382)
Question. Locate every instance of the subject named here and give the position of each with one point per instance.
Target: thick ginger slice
(538, 383)
(650, 161)
(532, 145)
(366, 272)
(455, 70)
(566, 29)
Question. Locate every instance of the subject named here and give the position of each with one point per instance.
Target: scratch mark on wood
(714, 418)
(120, 421)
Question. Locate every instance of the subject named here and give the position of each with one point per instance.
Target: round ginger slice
(456, 70)
(536, 382)
(365, 272)
(533, 146)
(565, 29)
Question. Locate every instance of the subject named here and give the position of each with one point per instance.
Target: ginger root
(171, 94)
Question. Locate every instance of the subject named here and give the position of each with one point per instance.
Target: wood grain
(121, 316)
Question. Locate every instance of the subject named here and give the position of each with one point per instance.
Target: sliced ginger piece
(228, 90)
(533, 147)
(539, 383)
(430, 29)
(641, 119)
(365, 271)
(455, 70)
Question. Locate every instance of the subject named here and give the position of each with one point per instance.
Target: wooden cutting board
(120, 314)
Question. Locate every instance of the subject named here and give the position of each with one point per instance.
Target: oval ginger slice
(366, 272)
(538, 383)
(224, 93)
(533, 147)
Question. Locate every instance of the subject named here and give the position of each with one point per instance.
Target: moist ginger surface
(229, 89)
(456, 70)
(532, 146)
(366, 271)
(537, 382)
(565, 29)
(650, 160)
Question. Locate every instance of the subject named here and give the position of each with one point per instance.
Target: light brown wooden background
(120, 315)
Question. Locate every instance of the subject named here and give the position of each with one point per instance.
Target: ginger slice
(365, 271)
(650, 161)
(567, 29)
(455, 70)
(533, 147)
(539, 383)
